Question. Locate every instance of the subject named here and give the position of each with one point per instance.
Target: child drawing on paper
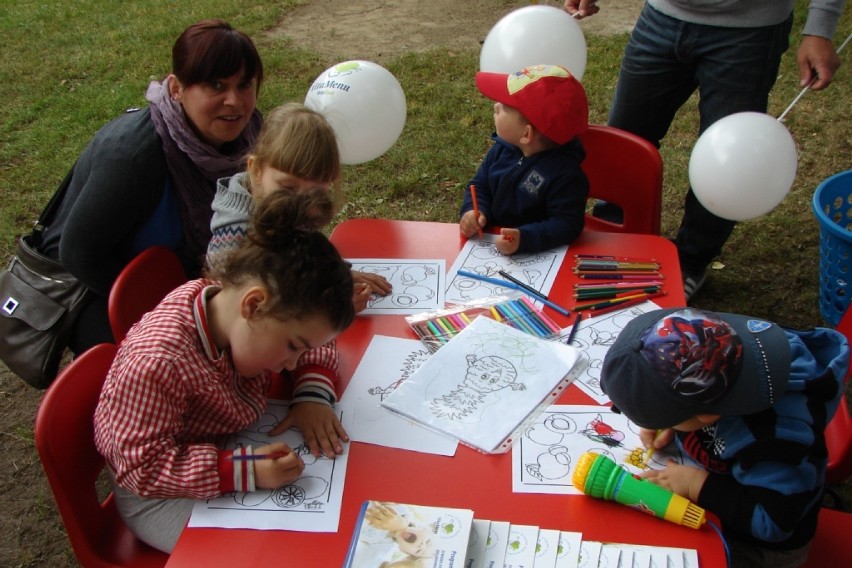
(485, 375)
(412, 290)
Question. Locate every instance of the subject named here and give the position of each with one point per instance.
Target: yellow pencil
(651, 449)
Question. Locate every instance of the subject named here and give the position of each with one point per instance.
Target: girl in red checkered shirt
(197, 368)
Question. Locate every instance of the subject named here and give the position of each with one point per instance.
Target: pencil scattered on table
(620, 282)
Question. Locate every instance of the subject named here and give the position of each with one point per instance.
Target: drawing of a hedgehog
(484, 375)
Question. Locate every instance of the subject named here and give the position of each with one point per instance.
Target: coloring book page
(544, 456)
(480, 256)
(485, 383)
(387, 362)
(310, 504)
(418, 285)
(594, 336)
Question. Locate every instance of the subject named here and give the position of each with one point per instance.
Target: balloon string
(808, 86)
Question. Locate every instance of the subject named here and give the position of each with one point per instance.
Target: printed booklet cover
(409, 535)
(486, 383)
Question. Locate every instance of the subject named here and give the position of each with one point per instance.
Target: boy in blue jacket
(530, 183)
(748, 401)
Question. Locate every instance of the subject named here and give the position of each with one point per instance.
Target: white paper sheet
(418, 284)
(310, 504)
(480, 256)
(569, 549)
(483, 384)
(386, 363)
(594, 336)
(543, 459)
(520, 549)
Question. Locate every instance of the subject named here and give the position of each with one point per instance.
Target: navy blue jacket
(543, 195)
(767, 470)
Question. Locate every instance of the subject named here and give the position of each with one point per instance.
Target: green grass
(76, 65)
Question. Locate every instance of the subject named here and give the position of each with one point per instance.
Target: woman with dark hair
(148, 177)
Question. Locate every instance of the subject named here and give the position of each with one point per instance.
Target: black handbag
(39, 303)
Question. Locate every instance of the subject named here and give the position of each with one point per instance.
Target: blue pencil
(529, 317)
(513, 286)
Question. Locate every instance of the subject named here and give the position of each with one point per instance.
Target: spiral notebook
(485, 384)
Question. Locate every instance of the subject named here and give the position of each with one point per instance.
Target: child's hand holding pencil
(275, 465)
(472, 221)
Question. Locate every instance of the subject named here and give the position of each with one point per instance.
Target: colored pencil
(617, 285)
(573, 331)
(611, 257)
(526, 287)
(609, 302)
(436, 331)
(529, 317)
(623, 305)
(444, 325)
(255, 457)
(514, 286)
(551, 325)
(621, 276)
(475, 209)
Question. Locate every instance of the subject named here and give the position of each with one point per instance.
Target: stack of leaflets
(486, 384)
(396, 535)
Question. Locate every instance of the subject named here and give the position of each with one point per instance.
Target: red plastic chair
(838, 433)
(145, 281)
(625, 170)
(830, 546)
(64, 438)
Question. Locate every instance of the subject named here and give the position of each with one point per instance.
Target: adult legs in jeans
(665, 61)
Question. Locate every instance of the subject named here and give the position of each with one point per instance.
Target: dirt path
(378, 30)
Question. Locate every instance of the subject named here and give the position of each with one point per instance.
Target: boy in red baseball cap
(530, 183)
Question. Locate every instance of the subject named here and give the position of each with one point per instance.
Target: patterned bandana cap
(549, 96)
(696, 353)
(670, 365)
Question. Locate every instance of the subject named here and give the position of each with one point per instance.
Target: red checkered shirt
(171, 396)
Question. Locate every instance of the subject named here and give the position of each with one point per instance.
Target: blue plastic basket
(832, 205)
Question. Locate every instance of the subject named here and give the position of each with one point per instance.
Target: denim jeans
(665, 61)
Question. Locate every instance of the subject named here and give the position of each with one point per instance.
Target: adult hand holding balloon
(743, 165)
(365, 105)
(534, 35)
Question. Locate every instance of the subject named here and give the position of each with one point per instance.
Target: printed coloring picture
(595, 336)
(310, 503)
(481, 257)
(544, 457)
(418, 285)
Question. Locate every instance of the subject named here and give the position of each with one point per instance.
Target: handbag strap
(49, 211)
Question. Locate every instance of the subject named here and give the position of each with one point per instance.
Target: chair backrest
(141, 285)
(838, 433)
(64, 438)
(831, 542)
(625, 170)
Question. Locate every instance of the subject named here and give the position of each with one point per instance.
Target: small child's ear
(253, 302)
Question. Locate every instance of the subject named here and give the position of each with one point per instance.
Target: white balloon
(743, 165)
(365, 105)
(534, 35)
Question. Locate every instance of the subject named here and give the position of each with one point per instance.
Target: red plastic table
(469, 479)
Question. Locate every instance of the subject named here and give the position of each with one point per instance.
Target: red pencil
(475, 209)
